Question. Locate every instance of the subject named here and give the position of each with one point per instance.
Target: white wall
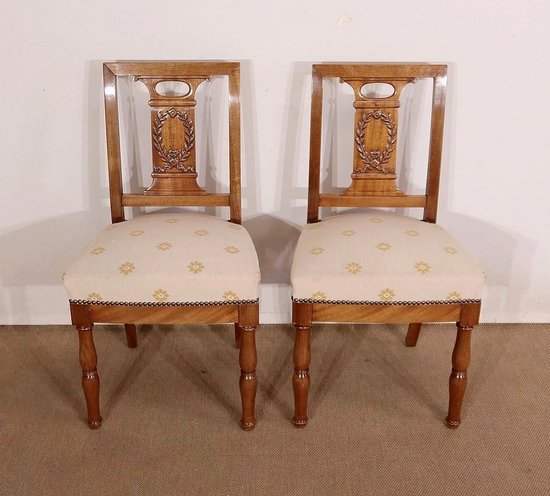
(53, 193)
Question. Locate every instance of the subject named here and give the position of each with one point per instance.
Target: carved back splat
(173, 136)
(375, 137)
(374, 158)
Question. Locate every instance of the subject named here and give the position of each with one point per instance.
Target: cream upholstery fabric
(167, 259)
(382, 258)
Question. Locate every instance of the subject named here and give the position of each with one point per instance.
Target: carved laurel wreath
(375, 160)
(173, 157)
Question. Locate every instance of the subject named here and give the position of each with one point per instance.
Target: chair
(377, 266)
(168, 268)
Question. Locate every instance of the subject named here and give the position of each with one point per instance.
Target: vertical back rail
(113, 144)
(235, 145)
(315, 147)
(436, 141)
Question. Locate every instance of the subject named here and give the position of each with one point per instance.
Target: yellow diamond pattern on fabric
(422, 267)
(126, 268)
(230, 296)
(165, 245)
(167, 258)
(195, 267)
(319, 295)
(160, 294)
(353, 268)
(387, 294)
(392, 259)
(453, 295)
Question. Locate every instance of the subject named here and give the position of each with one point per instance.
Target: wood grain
(302, 315)
(248, 382)
(113, 145)
(129, 314)
(459, 378)
(315, 146)
(384, 314)
(436, 145)
(131, 335)
(90, 377)
(412, 334)
(378, 70)
(213, 200)
(171, 68)
(235, 144)
(372, 201)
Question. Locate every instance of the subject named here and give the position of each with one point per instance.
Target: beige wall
(53, 193)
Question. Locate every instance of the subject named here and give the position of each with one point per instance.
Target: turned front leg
(248, 382)
(300, 379)
(90, 377)
(459, 379)
(238, 334)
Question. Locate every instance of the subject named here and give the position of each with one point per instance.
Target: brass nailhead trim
(383, 303)
(163, 303)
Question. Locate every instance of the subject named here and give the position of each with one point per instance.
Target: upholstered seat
(382, 258)
(166, 259)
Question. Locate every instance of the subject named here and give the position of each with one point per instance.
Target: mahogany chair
(377, 266)
(168, 268)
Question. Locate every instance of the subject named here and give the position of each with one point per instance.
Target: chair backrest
(173, 135)
(373, 179)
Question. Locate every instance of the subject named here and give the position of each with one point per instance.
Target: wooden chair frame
(244, 315)
(466, 315)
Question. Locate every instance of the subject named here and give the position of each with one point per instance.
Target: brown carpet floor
(171, 410)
